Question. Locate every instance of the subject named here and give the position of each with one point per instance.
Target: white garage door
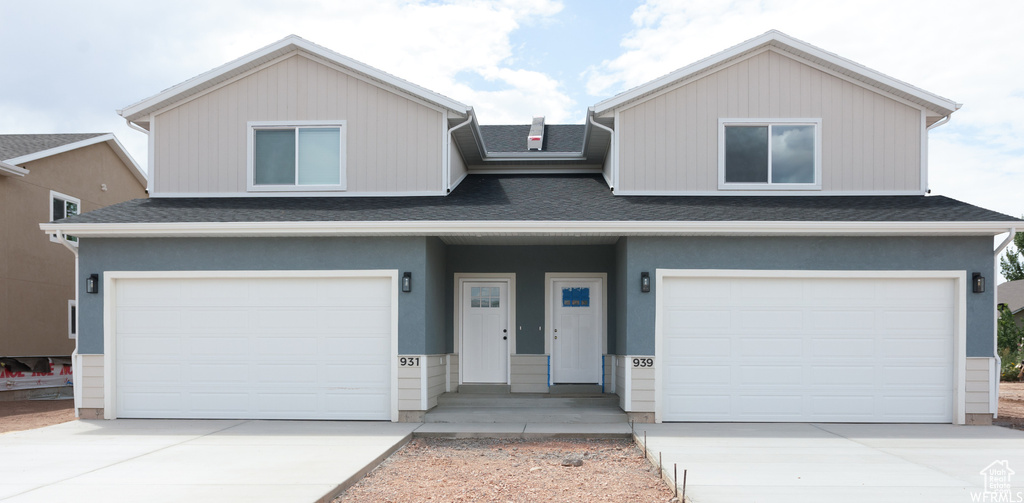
(807, 349)
(254, 348)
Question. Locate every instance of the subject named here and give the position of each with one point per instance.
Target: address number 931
(409, 361)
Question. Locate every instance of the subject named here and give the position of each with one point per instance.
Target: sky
(69, 65)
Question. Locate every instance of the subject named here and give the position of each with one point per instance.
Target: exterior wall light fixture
(979, 282)
(407, 282)
(92, 283)
(645, 282)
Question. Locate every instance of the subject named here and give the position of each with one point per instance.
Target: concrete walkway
(788, 463)
(154, 461)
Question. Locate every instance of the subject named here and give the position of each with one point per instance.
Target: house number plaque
(409, 361)
(642, 363)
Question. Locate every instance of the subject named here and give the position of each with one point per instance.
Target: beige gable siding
(457, 168)
(869, 142)
(393, 143)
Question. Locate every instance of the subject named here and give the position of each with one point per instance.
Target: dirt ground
(447, 470)
(30, 414)
(1011, 405)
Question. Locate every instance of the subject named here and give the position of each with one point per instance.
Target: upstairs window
(297, 156)
(63, 206)
(759, 154)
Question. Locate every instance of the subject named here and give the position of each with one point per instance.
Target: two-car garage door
(254, 347)
(819, 349)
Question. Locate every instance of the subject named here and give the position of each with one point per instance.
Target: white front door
(576, 332)
(484, 332)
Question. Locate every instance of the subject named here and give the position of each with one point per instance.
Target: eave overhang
(526, 228)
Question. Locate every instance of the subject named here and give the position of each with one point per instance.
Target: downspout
(611, 147)
(993, 398)
(76, 364)
(450, 131)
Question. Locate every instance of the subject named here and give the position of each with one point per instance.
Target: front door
(484, 357)
(577, 331)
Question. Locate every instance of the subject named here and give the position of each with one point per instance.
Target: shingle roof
(557, 138)
(17, 145)
(1011, 293)
(543, 198)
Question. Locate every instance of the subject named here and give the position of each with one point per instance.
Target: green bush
(1009, 338)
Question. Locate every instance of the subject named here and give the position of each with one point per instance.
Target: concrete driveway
(744, 462)
(197, 461)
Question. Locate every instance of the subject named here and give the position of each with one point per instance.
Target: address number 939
(643, 362)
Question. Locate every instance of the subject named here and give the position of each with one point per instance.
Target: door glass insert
(485, 296)
(575, 297)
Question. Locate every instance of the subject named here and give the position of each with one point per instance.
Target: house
(43, 178)
(749, 238)
(1011, 294)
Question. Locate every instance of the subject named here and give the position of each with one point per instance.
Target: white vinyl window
(72, 319)
(776, 154)
(302, 155)
(63, 206)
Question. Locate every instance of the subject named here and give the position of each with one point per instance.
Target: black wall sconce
(407, 282)
(92, 283)
(645, 282)
(978, 282)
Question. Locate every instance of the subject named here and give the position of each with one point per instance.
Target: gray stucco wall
(435, 335)
(97, 256)
(529, 263)
(970, 254)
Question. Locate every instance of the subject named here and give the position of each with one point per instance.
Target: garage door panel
(770, 375)
(765, 320)
(255, 348)
(807, 349)
(764, 346)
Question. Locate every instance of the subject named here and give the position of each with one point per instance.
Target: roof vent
(536, 139)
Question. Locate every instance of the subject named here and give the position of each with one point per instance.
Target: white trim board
(527, 227)
(109, 293)
(960, 284)
(459, 279)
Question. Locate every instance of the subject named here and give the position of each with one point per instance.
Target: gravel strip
(570, 470)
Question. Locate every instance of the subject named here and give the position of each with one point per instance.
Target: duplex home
(46, 177)
(749, 238)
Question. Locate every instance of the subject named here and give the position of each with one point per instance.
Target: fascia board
(508, 227)
(773, 37)
(142, 108)
(11, 170)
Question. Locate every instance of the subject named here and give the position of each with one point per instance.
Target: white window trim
(251, 126)
(768, 185)
(57, 195)
(72, 321)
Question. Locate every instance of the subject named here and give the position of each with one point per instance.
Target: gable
(393, 140)
(870, 141)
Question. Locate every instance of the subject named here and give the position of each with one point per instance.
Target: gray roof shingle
(543, 198)
(557, 138)
(17, 145)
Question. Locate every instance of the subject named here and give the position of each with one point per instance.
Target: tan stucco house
(45, 177)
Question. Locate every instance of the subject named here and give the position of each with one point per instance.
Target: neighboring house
(1011, 294)
(45, 177)
(748, 238)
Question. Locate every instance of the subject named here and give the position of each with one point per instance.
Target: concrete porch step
(535, 400)
(526, 408)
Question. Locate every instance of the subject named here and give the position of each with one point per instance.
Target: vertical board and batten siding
(393, 143)
(456, 165)
(669, 143)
